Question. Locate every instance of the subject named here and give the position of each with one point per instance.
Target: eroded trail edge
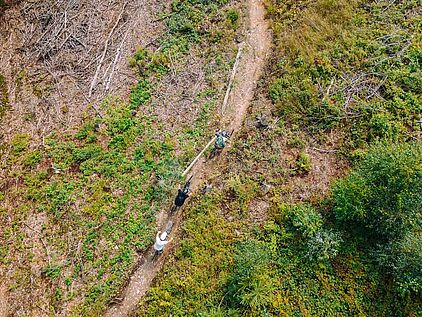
(252, 62)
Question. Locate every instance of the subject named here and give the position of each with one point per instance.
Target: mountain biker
(220, 141)
(160, 242)
(182, 195)
(180, 198)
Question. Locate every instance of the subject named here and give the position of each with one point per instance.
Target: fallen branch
(324, 151)
(94, 80)
(116, 58)
(376, 89)
(329, 87)
(398, 54)
(389, 5)
(236, 63)
(198, 156)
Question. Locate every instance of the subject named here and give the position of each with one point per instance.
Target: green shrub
(250, 286)
(150, 64)
(33, 158)
(304, 218)
(303, 164)
(296, 142)
(20, 143)
(233, 17)
(383, 196)
(140, 94)
(59, 196)
(61, 153)
(324, 245)
(87, 152)
(383, 126)
(52, 271)
(159, 64)
(403, 260)
(87, 132)
(140, 56)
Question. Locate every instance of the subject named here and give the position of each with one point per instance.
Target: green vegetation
(350, 65)
(248, 287)
(101, 185)
(304, 218)
(344, 85)
(84, 203)
(299, 263)
(233, 17)
(286, 230)
(402, 259)
(4, 93)
(380, 202)
(302, 164)
(296, 264)
(382, 197)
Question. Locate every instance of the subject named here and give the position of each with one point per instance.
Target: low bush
(250, 286)
(302, 164)
(20, 144)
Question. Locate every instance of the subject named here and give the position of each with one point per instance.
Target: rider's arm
(166, 241)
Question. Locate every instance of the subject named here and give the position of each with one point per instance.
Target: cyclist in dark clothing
(182, 195)
(180, 198)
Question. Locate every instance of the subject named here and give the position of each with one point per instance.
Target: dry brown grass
(321, 23)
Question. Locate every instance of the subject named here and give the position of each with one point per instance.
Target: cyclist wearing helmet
(220, 141)
(180, 198)
(160, 242)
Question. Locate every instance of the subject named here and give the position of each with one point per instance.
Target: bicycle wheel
(213, 153)
(187, 185)
(173, 209)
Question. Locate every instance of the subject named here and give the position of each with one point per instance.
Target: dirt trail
(3, 301)
(252, 62)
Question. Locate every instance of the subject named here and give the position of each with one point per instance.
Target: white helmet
(163, 236)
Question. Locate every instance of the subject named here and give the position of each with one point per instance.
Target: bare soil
(3, 300)
(256, 46)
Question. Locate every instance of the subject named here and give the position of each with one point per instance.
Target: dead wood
(94, 80)
(233, 73)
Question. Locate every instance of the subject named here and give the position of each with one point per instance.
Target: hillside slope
(271, 238)
(79, 199)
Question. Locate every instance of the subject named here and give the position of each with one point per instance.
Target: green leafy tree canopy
(382, 197)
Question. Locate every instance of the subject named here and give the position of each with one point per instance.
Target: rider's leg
(156, 254)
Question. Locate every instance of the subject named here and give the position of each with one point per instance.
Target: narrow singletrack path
(252, 62)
